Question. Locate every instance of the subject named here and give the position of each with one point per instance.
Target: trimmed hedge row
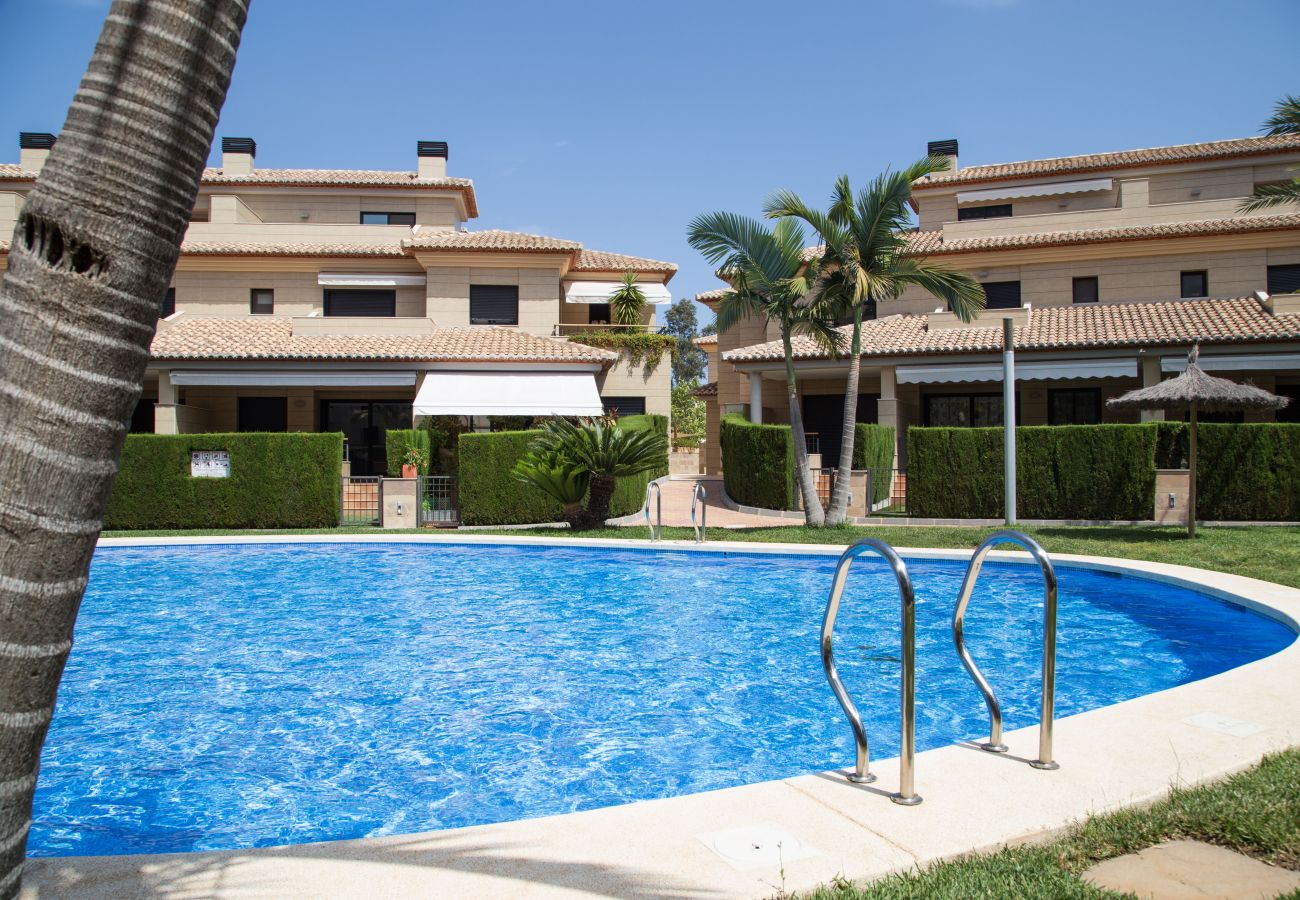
(758, 463)
(1244, 472)
(1062, 472)
(398, 440)
(873, 448)
(286, 480)
(490, 496)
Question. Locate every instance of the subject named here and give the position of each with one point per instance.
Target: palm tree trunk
(812, 504)
(839, 510)
(91, 258)
(602, 491)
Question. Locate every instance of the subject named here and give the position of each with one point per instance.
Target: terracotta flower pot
(409, 471)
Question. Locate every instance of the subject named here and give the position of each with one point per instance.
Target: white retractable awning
(1036, 190)
(508, 394)
(1062, 370)
(1264, 362)
(302, 378)
(600, 291)
(369, 279)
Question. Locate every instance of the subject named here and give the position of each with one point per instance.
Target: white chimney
(237, 155)
(432, 157)
(33, 149)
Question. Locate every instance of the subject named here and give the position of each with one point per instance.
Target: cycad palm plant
(603, 453)
(866, 259)
(558, 476)
(627, 304)
(769, 276)
(1285, 120)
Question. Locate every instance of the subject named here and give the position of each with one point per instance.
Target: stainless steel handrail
(906, 795)
(656, 533)
(700, 494)
(1048, 701)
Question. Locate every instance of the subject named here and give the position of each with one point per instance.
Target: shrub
(873, 448)
(758, 463)
(1062, 472)
(397, 441)
(276, 481)
(1248, 472)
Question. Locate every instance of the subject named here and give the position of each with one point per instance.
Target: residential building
(1111, 266)
(355, 301)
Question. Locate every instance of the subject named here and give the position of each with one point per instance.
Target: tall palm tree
(1285, 120)
(90, 261)
(769, 276)
(865, 259)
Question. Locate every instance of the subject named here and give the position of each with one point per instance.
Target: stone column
(755, 398)
(164, 411)
(1150, 377)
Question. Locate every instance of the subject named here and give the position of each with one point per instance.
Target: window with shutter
(1284, 279)
(997, 211)
(493, 304)
(1002, 295)
(373, 303)
(169, 303)
(1193, 284)
(1085, 290)
(624, 406)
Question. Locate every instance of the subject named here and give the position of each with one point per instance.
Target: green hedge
(1243, 473)
(758, 463)
(490, 496)
(1062, 472)
(398, 440)
(873, 448)
(276, 481)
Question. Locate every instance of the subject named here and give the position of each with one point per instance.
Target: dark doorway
(263, 413)
(143, 417)
(365, 425)
(823, 415)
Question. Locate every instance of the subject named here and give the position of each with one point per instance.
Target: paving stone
(1192, 869)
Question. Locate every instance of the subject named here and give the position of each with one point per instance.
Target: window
(1074, 406)
(1289, 413)
(142, 417)
(387, 218)
(493, 304)
(1193, 284)
(1284, 279)
(263, 413)
(169, 303)
(624, 406)
(1002, 295)
(261, 302)
(964, 410)
(997, 211)
(598, 314)
(1085, 289)
(370, 303)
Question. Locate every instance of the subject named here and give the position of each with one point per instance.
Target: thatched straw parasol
(1195, 391)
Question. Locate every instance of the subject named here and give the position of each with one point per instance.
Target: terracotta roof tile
(933, 242)
(705, 340)
(1174, 322)
(1123, 159)
(706, 390)
(492, 240)
(602, 261)
(269, 338)
(312, 178)
(711, 296)
(262, 248)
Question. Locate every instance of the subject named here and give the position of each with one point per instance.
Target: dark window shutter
(169, 303)
(1193, 284)
(261, 302)
(1284, 279)
(1085, 290)
(493, 304)
(624, 406)
(263, 413)
(997, 211)
(360, 303)
(1002, 295)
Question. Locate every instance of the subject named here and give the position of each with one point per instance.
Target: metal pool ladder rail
(701, 498)
(656, 527)
(906, 795)
(1048, 702)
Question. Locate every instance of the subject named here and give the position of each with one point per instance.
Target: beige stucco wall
(344, 207)
(447, 291)
(626, 379)
(296, 293)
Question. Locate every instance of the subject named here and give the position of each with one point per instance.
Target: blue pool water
(250, 695)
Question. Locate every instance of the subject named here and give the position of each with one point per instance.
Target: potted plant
(415, 460)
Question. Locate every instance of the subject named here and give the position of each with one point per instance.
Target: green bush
(490, 496)
(398, 440)
(758, 463)
(873, 448)
(1248, 472)
(276, 481)
(1062, 472)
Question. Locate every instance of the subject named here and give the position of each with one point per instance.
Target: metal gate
(439, 503)
(362, 498)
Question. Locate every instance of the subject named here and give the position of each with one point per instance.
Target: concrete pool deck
(795, 833)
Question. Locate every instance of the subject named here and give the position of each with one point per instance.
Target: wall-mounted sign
(210, 464)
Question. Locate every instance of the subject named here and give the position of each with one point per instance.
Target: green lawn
(1256, 812)
(1269, 553)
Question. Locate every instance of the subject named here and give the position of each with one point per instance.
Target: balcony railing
(564, 329)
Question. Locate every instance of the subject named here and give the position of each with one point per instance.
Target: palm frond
(1267, 196)
(1285, 118)
(960, 291)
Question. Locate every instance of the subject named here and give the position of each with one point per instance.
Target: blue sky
(615, 123)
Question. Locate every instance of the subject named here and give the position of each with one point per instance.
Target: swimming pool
(250, 695)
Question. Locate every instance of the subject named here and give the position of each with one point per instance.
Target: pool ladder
(906, 794)
(700, 498)
(656, 527)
